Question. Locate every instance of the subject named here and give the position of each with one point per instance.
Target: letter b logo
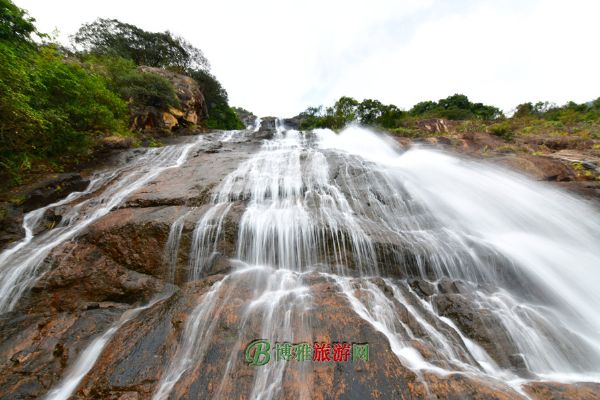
(257, 353)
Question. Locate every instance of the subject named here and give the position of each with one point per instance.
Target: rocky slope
(119, 262)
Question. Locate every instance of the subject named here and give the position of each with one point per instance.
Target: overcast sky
(278, 57)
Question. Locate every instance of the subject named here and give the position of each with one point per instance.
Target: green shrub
(119, 47)
(503, 130)
(347, 110)
(148, 89)
(131, 84)
(407, 132)
(222, 116)
(15, 24)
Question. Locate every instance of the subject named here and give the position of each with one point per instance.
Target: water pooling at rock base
(466, 280)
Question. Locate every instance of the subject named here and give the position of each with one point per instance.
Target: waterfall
(398, 237)
(172, 246)
(198, 326)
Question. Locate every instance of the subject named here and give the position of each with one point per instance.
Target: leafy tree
(155, 49)
(124, 78)
(50, 109)
(596, 104)
(148, 89)
(570, 113)
(524, 110)
(424, 107)
(345, 110)
(456, 107)
(391, 117)
(373, 112)
(220, 115)
(311, 118)
(369, 111)
(15, 24)
(73, 101)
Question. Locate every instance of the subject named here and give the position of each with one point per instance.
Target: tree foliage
(50, 109)
(133, 85)
(347, 110)
(220, 115)
(569, 113)
(111, 38)
(155, 49)
(56, 103)
(15, 25)
(456, 107)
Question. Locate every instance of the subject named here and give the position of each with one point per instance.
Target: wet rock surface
(115, 265)
(53, 190)
(150, 341)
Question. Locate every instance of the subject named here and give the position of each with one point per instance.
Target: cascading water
(401, 237)
(495, 228)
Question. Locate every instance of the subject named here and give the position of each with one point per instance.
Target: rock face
(193, 106)
(266, 129)
(53, 189)
(11, 220)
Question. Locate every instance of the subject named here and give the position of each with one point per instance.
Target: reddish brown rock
(80, 274)
(36, 349)
(538, 167)
(560, 391)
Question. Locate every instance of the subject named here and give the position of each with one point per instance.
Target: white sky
(278, 57)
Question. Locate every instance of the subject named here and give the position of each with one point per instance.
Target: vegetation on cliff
(50, 109)
(56, 104)
(112, 38)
